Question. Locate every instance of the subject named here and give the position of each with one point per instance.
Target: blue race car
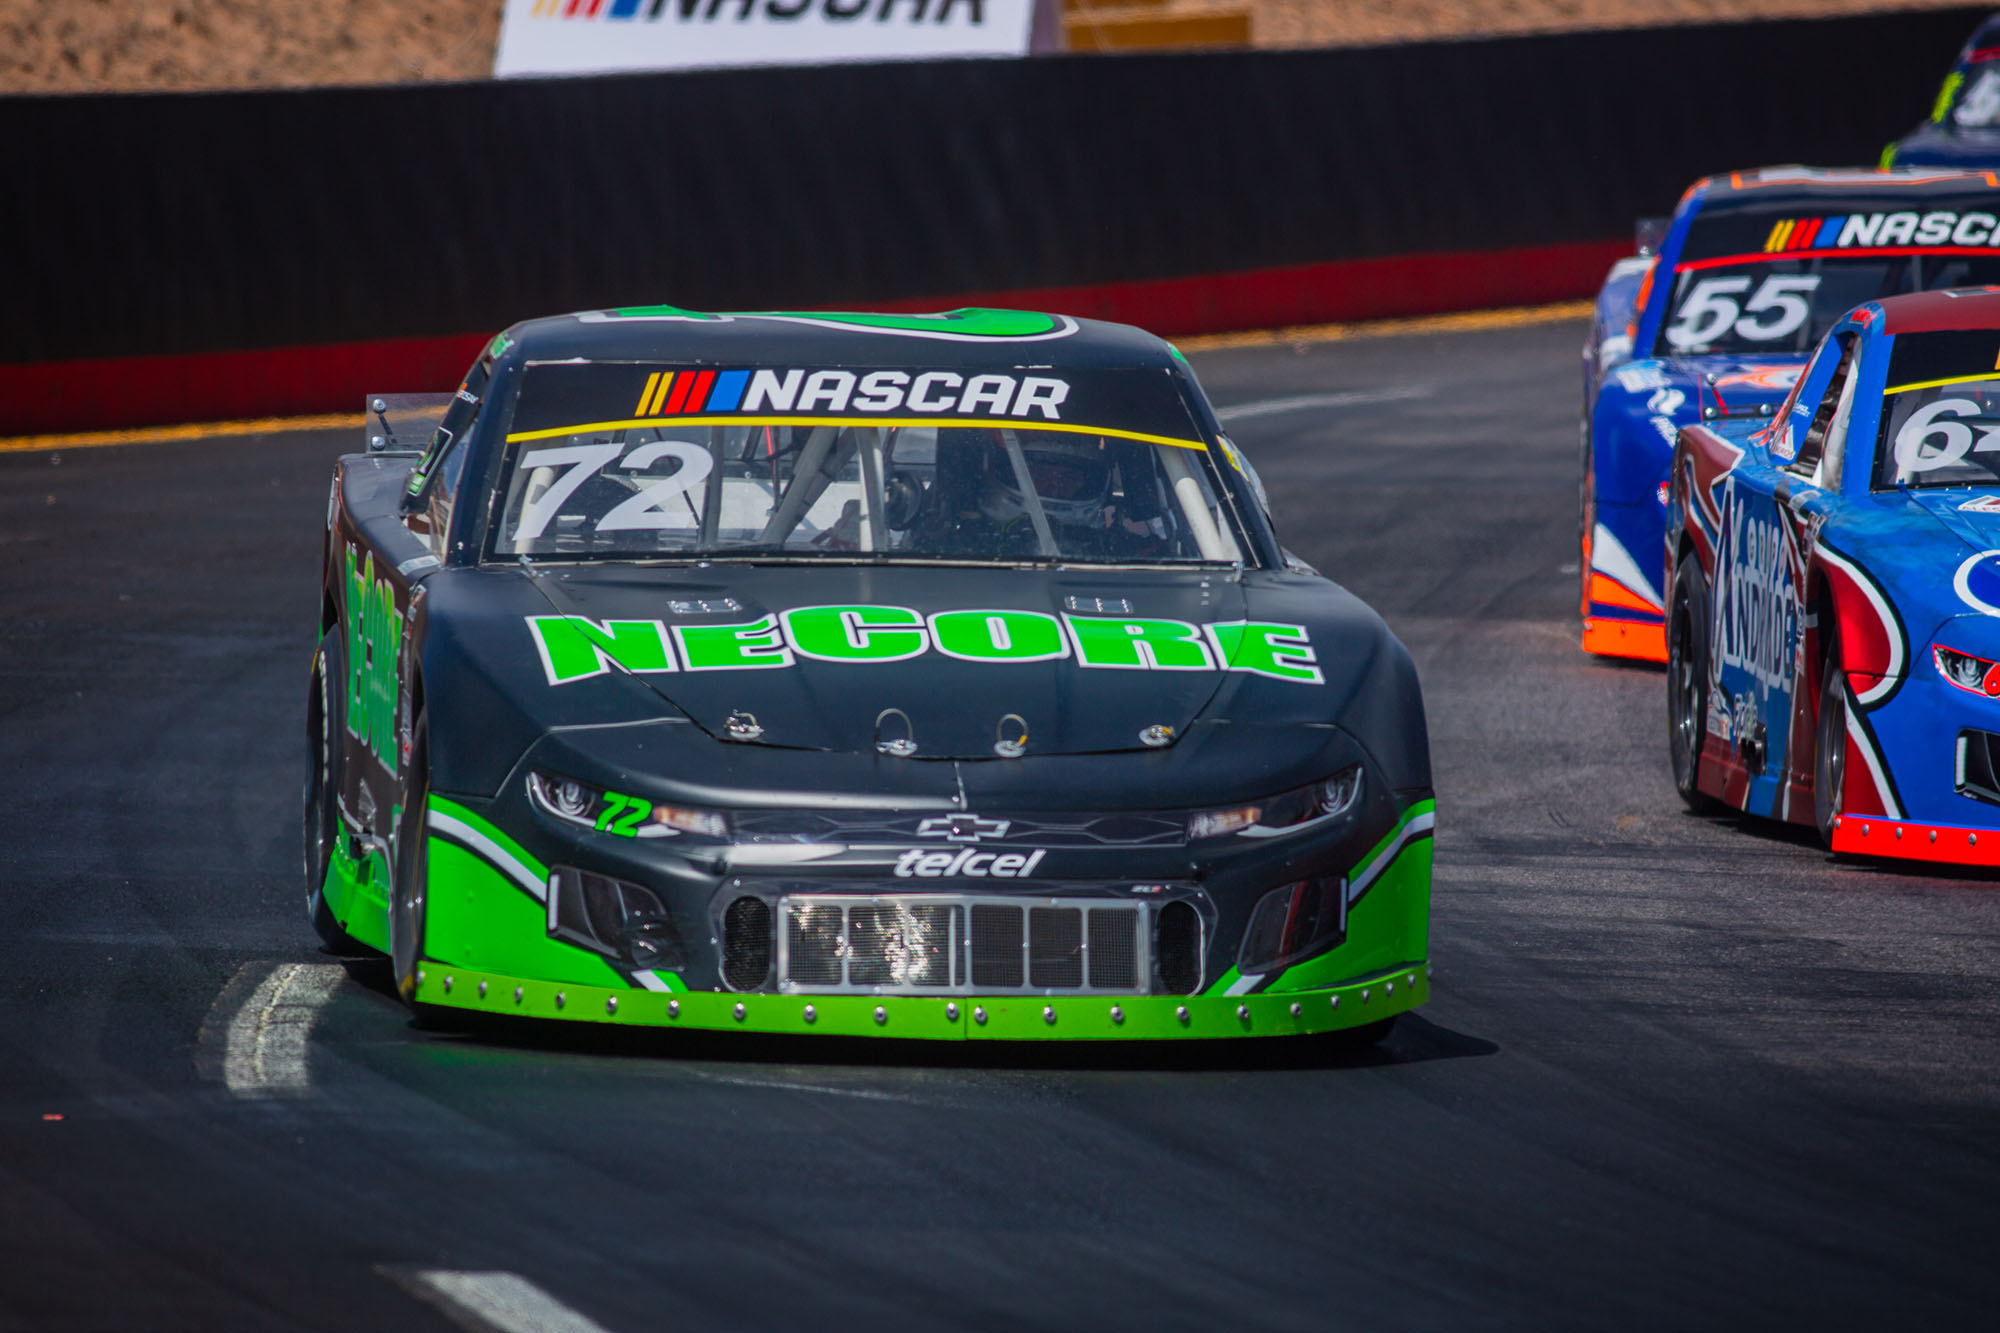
(1833, 637)
(1751, 272)
(1963, 129)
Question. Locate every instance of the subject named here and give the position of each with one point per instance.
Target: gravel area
(49, 46)
(1372, 22)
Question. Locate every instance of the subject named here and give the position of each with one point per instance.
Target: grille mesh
(1055, 947)
(1979, 774)
(996, 947)
(962, 943)
(746, 943)
(813, 943)
(1114, 948)
(891, 945)
(1178, 947)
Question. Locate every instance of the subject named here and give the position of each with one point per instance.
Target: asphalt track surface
(1679, 1072)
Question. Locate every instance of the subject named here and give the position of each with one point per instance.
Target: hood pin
(1011, 742)
(1157, 735)
(899, 747)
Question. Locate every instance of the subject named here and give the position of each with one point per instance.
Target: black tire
(1829, 741)
(1687, 683)
(321, 831)
(410, 873)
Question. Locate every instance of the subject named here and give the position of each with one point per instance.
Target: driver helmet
(1073, 483)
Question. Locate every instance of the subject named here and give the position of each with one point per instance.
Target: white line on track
(790, 1085)
(1270, 407)
(264, 1044)
(494, 1302)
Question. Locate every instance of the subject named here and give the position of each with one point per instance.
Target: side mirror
(415, 497)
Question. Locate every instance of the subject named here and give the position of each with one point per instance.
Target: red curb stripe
(124, 392)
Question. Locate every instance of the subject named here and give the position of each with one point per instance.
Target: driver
(977, 508)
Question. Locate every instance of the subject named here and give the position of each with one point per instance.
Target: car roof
(1787, 190)
(1981, 45)
(970, 338)
(1935, 312)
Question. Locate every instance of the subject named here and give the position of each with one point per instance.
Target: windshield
(1941, 411)
(1784, 305)
(622, 460)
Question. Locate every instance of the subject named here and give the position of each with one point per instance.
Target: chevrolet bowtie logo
(962, 828)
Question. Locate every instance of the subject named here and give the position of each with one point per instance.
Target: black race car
(933, 676)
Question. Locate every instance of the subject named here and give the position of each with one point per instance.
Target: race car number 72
(1778, 307)
(581, 462)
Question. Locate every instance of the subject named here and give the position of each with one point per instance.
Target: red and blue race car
(1752, 271)
(1833, 634)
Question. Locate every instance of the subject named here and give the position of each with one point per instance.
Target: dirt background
(130, 45)
(1365, 22)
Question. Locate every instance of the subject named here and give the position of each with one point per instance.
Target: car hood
(951, 707)
(1932, 557)
(1973, 517)
(1947, 146)
(1739, 385)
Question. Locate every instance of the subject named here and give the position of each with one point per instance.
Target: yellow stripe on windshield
(993, 423)
(1989, 376)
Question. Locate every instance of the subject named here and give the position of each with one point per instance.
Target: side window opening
(1813, 447)
(444, 490)
(457, 423)
(1835, 453)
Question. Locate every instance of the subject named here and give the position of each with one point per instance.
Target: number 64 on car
(1833, 628)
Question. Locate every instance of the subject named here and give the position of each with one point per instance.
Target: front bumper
(928, 1018)
(490, 944)
(1873, 835)
(1642, 640)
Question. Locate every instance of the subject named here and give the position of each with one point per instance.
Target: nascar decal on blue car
(1938, 227)
(574, 648)
(1760, 236)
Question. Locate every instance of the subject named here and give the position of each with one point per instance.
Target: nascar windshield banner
(572, 398)
(593, 36)
(1749, 236)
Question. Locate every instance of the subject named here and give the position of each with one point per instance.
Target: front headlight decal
(1974, 674)
(1311, 805)
(619, 813)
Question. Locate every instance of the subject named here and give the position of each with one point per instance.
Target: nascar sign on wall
(593, 36)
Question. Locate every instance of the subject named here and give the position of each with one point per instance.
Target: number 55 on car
(1712, 325)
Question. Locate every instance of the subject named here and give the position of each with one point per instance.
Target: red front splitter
(1872, 835)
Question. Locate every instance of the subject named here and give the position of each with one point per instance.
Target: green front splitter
(957, 1018)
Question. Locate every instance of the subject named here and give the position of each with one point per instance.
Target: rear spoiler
(402, 423)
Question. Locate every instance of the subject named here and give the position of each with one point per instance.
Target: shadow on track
(1903, 871)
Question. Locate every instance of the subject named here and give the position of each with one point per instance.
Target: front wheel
(1687, 683)
(322, 794)
(411, 872)
(1830, 744)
